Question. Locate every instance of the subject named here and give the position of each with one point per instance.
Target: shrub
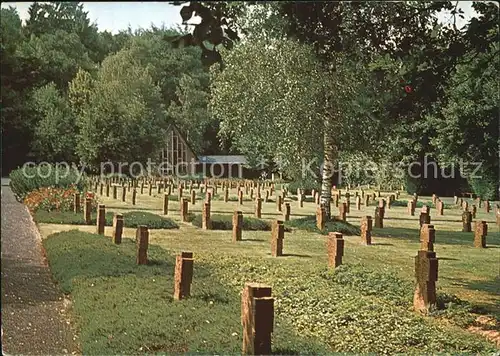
(485, 187)
(308, 223)
(131, 219)
(152, 221)
(225, 222)
(28, 179)
(55, 199)
(405, 203)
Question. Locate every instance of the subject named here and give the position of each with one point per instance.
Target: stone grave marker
(183, 276)
(117, 228)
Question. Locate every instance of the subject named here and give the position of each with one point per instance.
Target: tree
(467, 126)
(124, 118)
(18, 75)
(58, 55)
(54, 138)
(51, 17)
(191, 112)
(270, 107)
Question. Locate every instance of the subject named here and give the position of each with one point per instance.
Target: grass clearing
(365, 306)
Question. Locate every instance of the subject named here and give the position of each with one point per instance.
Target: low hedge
(27, 179)
(308, 223)
(131, 219)
(225, 222)
(405, 203)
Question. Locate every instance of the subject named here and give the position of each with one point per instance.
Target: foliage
(215, 31)
(56, 199)
(54, 140)
(69, 217)
(382, 284)
(124, 118)
(485, 185)
(152, 221)
(191, 112)
(404, 203)
(17, 77)
(109, 291)
(29, 178)
(59, 56)
(225, 222)
(467, 126)
(308, 223)
(267, 99)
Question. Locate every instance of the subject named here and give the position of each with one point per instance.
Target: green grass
(364, 306)
(130, 219)
(123, 308)
(308, 223)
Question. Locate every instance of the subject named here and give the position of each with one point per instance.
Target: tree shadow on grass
(296, 255)
(381, 244)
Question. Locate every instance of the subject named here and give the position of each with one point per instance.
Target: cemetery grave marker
(183, 276)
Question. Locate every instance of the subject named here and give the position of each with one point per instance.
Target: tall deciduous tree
(54, 138)
(268, 99)
(124, 118)
(190, 111)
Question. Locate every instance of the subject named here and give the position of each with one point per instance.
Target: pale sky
(115, 16)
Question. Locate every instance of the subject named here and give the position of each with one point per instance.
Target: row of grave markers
(257, 312)
(257, 302)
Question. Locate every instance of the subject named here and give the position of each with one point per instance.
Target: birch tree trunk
(329, 156)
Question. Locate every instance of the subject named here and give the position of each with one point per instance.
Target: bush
(152, 221)
(485, 187)
(28, 179)
(55, 199)
(404, 203)
(225, 222)
(131, 219)
(308, 223)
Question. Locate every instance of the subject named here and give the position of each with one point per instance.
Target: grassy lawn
(364, 306)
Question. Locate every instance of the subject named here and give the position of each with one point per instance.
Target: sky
(115, 16)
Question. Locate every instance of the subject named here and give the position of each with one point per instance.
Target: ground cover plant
(308, 223)
(354, 309)
(225, 222)
(131, 219)
(347, 310)
(123, 308)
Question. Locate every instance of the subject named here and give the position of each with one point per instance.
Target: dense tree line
(328, 82)
(73, 93)
(396, 86)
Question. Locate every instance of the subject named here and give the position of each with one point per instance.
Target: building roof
(173, 126)
(222, 159)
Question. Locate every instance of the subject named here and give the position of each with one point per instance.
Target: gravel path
(33, 314)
